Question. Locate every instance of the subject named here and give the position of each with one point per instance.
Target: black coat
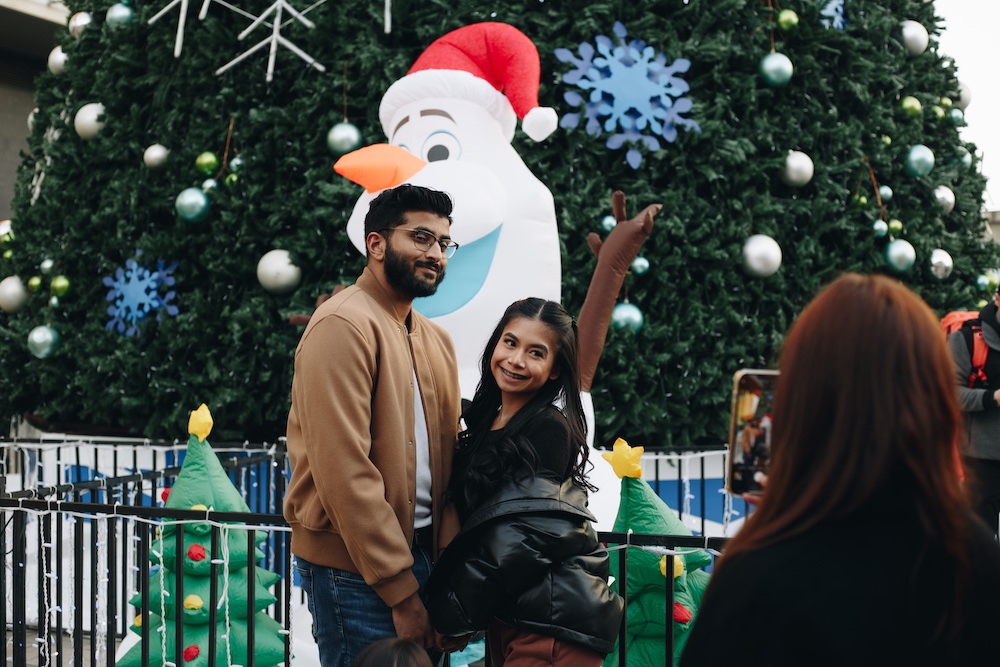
(529, 557)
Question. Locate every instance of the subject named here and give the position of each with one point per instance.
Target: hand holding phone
(750, 430)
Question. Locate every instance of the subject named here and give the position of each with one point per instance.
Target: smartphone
(750, 429)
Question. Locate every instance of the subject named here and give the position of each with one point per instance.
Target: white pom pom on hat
(491, 64)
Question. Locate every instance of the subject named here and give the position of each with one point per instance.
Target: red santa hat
(494, 65)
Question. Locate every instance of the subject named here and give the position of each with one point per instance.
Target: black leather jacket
(529, 557)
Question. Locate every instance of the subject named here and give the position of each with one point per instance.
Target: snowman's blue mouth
(463, 279)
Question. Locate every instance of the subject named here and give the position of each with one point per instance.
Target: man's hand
(412, 622)
(451, 644)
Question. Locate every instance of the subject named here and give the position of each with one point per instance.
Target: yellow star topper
(200, 424)
(625, 460)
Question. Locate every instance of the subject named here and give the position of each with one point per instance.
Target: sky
(968, 37)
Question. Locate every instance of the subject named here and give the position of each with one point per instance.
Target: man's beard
(403, 277)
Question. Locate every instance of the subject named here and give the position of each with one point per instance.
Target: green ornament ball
(981, 304)
(640, 265)
(207, 163)
(982, 282)
(886, 140)
(895, 226)
(232, 179)
(880, 228)
(627, 316)
(860, 200)
(34, 282)
(60, 285)
(343, 138)
(192, 205)
(7, 254)
(43, 341)
(608, 223)
(919, 160)
(937, 111)
(946, 102)
(118, 15)
(911, 105)
(776, 69)
(885, 192)
(787, 19)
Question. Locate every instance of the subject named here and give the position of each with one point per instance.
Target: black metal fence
(82, 518)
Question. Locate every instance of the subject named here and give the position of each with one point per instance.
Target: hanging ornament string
(225, 151)
(345, 89)
(883, 214)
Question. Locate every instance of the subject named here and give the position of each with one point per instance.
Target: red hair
(866, 391)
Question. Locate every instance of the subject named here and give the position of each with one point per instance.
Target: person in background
(371, 434)
(863, 549)
(393, 652)
(527, 566)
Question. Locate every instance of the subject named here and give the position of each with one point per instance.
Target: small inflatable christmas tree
(644, 513)
(203, 484)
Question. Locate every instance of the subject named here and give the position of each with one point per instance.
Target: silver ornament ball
(798, 169)
(87, 123)
(941, 263)
(192, 205)
(78, 22)
(945, 198)
(43, 341)
(57, 60)
(761, 256)
(915, 37)
(343, 138)
(46, 266)
(776, 69)
(277, 274)
(13, 294)
(209, 184)
(627, 316)
(900, 255)
(885, 192)
(155, 156)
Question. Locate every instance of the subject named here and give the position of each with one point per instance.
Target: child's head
(558, 328)
(393, 652)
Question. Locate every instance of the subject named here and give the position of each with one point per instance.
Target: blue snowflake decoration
(136, 292)
(833, 14)
(632, 88)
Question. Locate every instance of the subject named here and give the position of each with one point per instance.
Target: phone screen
(750, 429)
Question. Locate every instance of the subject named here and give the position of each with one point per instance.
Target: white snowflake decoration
(135, 293)
(632, 87)
(833, 13)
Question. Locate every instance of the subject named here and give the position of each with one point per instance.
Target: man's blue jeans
(347, 613)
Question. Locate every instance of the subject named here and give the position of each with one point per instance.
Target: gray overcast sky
(970, 38)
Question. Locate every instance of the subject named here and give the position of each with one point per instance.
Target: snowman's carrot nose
(378, 166)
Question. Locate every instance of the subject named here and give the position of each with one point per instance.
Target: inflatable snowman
(450, 128)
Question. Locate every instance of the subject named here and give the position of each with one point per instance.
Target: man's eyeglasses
(424, 240)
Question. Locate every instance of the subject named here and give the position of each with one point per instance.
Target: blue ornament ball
(982, 283)
(963, 156)
(640, 265)
(192, 205)
(776, 69)
(118, 15)
(627, 316)
(43, 341)
(881, 228)
(885, 192)
(608, 223)
(919, 160)
(956, 116)
(236, 164)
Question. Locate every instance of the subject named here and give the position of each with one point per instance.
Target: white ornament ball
(945, 198)
(78, 22)
(155, 156)
(798, 169)
(31, 120)
(761, 256)
(941, 263)
(915, 37)
(964, 96)
(57, 60)
(13, 294)
(276, 272)
(900, 255)
(86, 121)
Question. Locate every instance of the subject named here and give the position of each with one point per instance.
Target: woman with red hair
(863, 549)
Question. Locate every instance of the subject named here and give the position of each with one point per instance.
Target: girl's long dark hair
(866, 396)
(514, 457)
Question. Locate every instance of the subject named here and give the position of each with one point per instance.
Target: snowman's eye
(441, 145)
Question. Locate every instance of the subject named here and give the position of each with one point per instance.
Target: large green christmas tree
(91, 219)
